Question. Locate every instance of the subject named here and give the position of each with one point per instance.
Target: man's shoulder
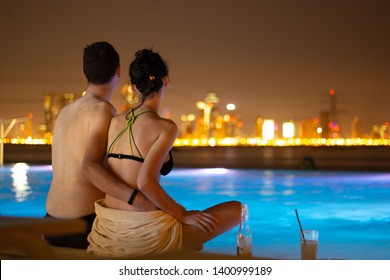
(83, 111)
(105, 110)
(99, 107)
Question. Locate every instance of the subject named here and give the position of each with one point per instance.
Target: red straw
(300, 226)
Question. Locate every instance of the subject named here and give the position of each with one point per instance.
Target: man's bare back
(71, 195)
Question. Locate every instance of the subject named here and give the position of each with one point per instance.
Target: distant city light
(200, 105)
(288, 130)
(231, 107)
(268, 129)
(212, 142)
(191, 117)
(211, 98)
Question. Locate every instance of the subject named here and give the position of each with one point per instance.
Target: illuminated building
(357, 128)
(53, 103)
(324, 124)
(131, 98)
(308, 129)
(221, 127)
(210, 124)
(288, 129)
(334, 123)
(187, 127)
(210, 113)
(380, 131)
(268, 129)
(259, 127)
(229, 122)
(199, 126)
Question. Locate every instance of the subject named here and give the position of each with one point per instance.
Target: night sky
(275, 59)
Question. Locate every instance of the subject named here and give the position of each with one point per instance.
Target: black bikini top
(165, 168)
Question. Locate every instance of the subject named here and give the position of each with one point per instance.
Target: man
(79, 147)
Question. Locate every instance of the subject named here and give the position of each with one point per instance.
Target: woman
(139, 152)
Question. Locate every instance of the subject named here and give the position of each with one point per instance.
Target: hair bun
(147, 71)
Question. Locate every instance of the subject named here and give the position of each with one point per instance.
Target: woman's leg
(228, 215)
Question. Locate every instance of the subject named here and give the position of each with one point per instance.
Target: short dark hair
(147, 71)
(100, 61)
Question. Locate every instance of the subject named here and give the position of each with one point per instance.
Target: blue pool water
(351, 210)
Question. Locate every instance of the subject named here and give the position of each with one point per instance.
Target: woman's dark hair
(100, 61)
(147, 72)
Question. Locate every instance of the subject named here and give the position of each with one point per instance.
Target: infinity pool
(351, 210)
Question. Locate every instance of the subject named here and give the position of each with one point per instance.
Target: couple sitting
(107, 167)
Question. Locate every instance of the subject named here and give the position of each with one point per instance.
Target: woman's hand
(202, 220)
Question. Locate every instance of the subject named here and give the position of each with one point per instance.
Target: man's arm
(94, 169)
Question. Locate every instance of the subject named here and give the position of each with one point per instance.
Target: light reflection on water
(20, 182)
(351, 210)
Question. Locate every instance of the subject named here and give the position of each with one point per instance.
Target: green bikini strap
(129, 124)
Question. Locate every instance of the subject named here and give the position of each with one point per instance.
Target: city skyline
(221, 106)
(209, 121)
(272, 59)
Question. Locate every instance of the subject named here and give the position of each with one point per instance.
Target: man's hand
(142, 203)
